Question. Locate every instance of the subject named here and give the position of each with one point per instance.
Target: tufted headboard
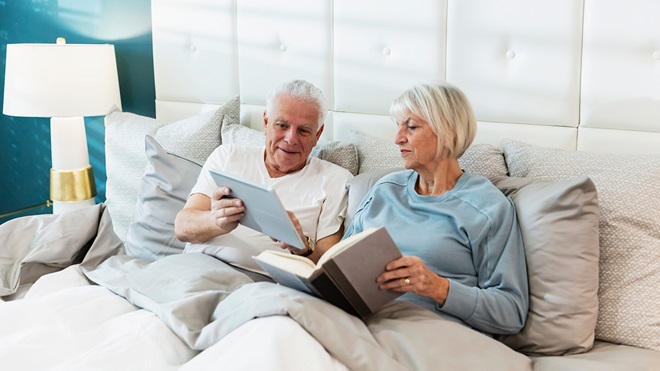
(571, 74)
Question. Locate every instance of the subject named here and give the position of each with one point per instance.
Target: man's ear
(319, 132)
(265, 120)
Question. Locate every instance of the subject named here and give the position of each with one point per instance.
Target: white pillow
(195, 137)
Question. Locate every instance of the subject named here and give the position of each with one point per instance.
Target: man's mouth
(290, 152)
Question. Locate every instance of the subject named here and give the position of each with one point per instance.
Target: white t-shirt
(316, 195)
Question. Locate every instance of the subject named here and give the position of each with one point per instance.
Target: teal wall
(25, 142)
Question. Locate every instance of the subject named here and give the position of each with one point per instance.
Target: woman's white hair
(447, 111)
(299, 89)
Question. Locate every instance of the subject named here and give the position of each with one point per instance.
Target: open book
(345, 275)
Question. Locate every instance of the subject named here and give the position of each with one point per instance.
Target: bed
(569, 127)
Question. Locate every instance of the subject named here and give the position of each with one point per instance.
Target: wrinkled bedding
(202, 300)
(163, 314)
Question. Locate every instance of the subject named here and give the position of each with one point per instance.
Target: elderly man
(312, 190)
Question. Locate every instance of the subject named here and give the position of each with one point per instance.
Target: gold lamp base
(72, 185)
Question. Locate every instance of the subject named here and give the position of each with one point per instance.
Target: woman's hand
(410, 274)
(225, 212)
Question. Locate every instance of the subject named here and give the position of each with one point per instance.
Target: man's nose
(291, 136)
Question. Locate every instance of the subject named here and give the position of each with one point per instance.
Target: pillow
(342, 154)
(559, 225)
(358, 187)
(629, 198)
(164, 188)
(377, 154)
(196, 136)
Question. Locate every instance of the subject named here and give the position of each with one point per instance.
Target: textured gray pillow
(377, 154)
(342, 154)
(559, 224)
(198, 138)
(629, 198)
(195, 137)
(164, 188)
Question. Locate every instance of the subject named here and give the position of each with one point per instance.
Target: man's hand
(225, 212)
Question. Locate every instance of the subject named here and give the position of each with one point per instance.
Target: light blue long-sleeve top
(469, 235)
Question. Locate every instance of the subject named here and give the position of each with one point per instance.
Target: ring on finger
(407, 281)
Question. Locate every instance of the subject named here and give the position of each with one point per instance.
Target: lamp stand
(71, 178)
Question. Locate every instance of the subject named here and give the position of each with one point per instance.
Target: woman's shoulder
(482, 194)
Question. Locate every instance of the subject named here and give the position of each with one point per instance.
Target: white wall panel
(618, 141)
(282, 40)
(518, 61)
(377, 126)
(540, 135)
(621, 65)
(191, 38)
(383, 47)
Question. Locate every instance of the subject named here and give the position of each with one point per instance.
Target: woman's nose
(399, 137)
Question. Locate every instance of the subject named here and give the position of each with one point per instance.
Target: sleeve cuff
(461, 301)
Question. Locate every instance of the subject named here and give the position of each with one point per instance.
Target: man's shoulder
(324, 167)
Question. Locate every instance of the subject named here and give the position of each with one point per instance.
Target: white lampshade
(60, 80)
(64, 82)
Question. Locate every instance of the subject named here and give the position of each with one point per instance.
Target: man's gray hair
(303, 90)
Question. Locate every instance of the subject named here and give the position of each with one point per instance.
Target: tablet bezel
(264, 211)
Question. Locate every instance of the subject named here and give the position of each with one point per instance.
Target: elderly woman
(463, 250)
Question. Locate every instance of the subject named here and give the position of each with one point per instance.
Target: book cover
(344, 276)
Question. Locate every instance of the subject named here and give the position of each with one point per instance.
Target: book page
(343, 245)
(295, 264)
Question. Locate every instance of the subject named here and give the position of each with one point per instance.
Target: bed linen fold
(202, 300)
(33, 246)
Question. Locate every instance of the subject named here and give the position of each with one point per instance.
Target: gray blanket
(32, 246)
(202, 299)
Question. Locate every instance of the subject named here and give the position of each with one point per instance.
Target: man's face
(291, 134)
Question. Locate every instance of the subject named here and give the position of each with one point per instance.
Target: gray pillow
(377, 154)
(195, 137)
(342, 154)
(629, 198)
(164, 188)
(559, 224)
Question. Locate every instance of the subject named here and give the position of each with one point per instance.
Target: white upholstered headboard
(562, 73)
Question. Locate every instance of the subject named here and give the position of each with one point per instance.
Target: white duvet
(64, 323)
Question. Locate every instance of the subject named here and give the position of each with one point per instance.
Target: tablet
(264, 211)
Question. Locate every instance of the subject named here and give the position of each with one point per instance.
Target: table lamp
(64, 82)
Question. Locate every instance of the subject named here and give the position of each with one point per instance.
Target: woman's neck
(434, 182)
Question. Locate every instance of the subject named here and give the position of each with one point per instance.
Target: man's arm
(325, 243)
(203, 218)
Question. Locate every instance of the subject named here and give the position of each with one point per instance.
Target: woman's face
(417, 142)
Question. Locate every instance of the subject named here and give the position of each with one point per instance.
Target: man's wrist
(310, 247)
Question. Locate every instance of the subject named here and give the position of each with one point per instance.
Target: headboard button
(656, 55)
(510, 54)
(193, 48)
(283, 48)
(386, 51)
